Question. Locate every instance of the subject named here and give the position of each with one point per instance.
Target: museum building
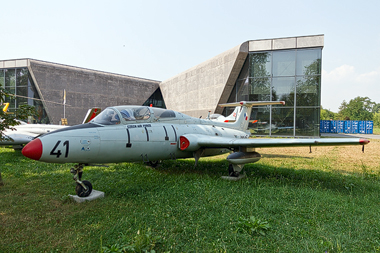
(282, 69)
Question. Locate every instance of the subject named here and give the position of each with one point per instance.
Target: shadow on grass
(278, 175)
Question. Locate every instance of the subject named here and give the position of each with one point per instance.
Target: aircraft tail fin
(232, 117)
(91, 113)
(220, 118)
(243, 111)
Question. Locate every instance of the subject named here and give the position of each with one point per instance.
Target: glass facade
(293, 76)
(156, 100)
(18, 82)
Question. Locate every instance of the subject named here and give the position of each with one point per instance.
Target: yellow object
(6, 105)
(64, 121)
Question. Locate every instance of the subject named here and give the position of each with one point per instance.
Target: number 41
(58, 153)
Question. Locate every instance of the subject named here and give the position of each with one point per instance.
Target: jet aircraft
(148, 134)
(23, 133)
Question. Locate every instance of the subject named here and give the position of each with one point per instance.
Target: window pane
(156, 99)
(282, 121)
(11, 101)
(2, 81)
(10, 77)
(242, 90)
(284, 63)
(307, 122)
(308, 91)
(260, 89)
(22, 93)
(283, 90)
(309, 62)
(41, 113)
(259, 120)
(10, 90)
(260, 64)
(22, 77)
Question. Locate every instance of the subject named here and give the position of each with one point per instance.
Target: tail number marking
(57, 152)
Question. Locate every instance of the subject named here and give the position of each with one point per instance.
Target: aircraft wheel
(81, 192)
(153, 164)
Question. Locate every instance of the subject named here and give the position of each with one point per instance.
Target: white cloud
(345, 83)
(369, 78)
(340, 73)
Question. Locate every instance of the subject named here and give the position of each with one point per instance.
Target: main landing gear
(234, 172)
(83, 188)
(153, 164)
(237, 161)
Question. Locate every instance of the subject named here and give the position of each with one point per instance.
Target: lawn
(376, 130)
(324, 201)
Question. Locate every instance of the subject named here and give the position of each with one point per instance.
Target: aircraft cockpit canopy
(134, 114)
(107, 117)
(160, 113)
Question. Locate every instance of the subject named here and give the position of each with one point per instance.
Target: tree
(376, 108)
(7, 121)
(376, 119)
(328, 115)
(359, 108)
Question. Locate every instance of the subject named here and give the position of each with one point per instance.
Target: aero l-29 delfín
(148, 134)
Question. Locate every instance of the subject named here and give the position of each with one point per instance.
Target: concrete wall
(85, 89)
(201, 88)
(286, 43)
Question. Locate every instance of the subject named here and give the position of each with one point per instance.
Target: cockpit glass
(107, 117)
(141, 112)
(160, 113)
(113, 115)
(127, 114)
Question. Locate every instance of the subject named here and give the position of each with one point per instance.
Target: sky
(159, 39)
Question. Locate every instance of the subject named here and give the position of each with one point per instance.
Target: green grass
(309, 203)
(376, 130)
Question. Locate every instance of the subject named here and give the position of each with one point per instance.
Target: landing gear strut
(237, 160)
(83, 188)
(234, 172)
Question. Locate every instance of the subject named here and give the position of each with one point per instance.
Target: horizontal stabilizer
(252, 103)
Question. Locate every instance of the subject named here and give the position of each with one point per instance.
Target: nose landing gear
(83, 188)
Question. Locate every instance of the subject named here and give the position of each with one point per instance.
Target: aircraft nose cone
(33, 149)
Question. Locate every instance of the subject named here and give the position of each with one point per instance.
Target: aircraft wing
(193, 142)
(18, 139)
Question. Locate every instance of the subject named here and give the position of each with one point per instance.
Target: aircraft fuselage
(91, 143)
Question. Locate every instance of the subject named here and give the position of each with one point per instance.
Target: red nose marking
(33, 149)
(363, 141)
